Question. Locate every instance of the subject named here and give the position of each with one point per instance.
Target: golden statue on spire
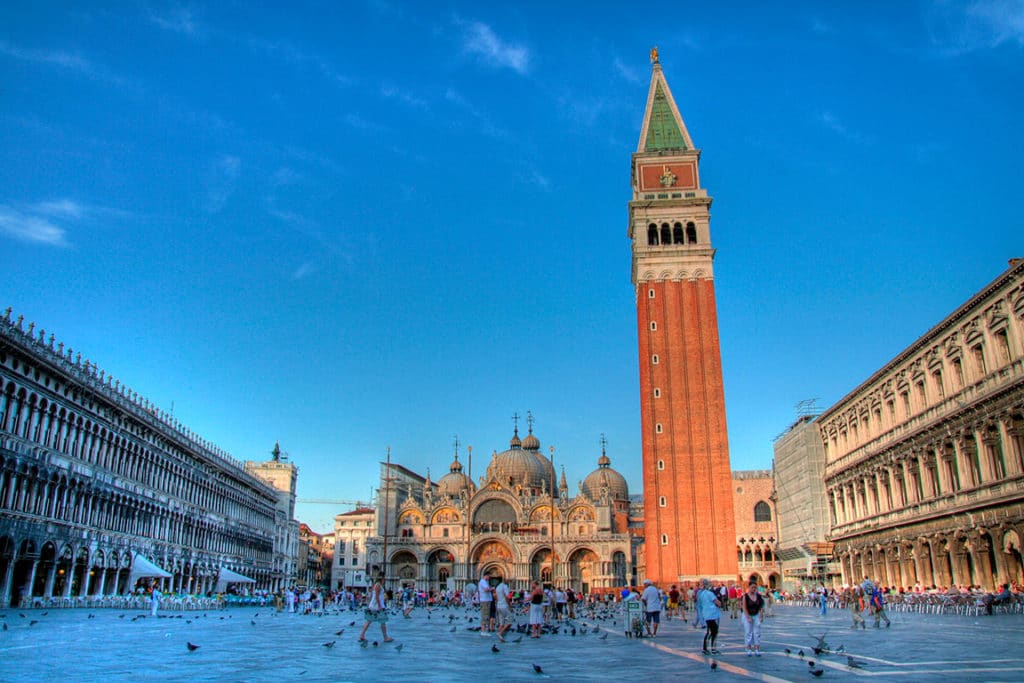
(654, 55)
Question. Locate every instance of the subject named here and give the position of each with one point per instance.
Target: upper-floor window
(958, 372)
(1002, 346)
(979, 360)
(937, 383)
(762, 512)
(691, 233)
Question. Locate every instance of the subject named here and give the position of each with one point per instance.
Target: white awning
(142, 567)
(227, 576)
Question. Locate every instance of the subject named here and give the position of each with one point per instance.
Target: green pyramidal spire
(663, 129)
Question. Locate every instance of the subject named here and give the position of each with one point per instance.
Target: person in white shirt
(154, 599)
(485, 593)
(651, 598)
(504, 614)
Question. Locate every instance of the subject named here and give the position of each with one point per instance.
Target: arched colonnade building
(96, 482)
(925, 460)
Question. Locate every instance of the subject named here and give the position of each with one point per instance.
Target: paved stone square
(256, 644)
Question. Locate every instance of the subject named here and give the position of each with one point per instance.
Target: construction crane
(331, 501)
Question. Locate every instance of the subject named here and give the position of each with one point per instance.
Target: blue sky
(348, 226)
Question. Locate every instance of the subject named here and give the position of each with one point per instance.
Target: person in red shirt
(734, 601)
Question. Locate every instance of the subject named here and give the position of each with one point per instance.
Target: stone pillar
(922, 570)
(884, 499)
(30, 584)
(1002, 573)
(5, 583)
(982, 567)
(909, 479)
(84, 585)
(958, 561)
(943, 485)
(101, 581)
(51, 577)
(69, 579)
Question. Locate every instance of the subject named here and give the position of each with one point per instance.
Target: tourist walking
(503, 615)
(752, 606)
(709, 609)
(878, 607)
(855, 603)
(376, 612)
(537, 599)
(486, 597)
(651, 598)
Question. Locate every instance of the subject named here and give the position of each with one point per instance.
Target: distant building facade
(99, 488)
(310, 568)
(283, 477)
(804, 548)
(925, 459)
(754, 509)
(352, 531)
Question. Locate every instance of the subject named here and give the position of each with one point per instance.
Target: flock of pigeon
(820, 649)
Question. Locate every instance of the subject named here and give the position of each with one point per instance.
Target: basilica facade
(517, 520)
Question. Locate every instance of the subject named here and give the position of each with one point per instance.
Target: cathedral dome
(455, 482)
(519, 467)
(604, 477)
(531, 443)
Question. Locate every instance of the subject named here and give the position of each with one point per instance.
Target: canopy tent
(227, 576)
(144, 568)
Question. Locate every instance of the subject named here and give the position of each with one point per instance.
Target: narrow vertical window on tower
(654, 359)
(691, 233)
(654, 326)
(652, 235)
(650, 293)
(657, 393)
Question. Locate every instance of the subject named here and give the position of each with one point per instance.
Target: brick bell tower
(689, 530)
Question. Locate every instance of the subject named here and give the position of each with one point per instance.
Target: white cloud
(43, 222)
(302, 271)
(27, 227)
(628, 73)
(66, 208)
(393, 93)
(64, 60)
(958, 28)
(223, 178)
(285, 176)
(179, 20)
(480, 39)
(831, 122)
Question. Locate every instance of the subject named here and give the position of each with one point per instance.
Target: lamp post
(552, 521)
(469, 520)
(387, 502)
